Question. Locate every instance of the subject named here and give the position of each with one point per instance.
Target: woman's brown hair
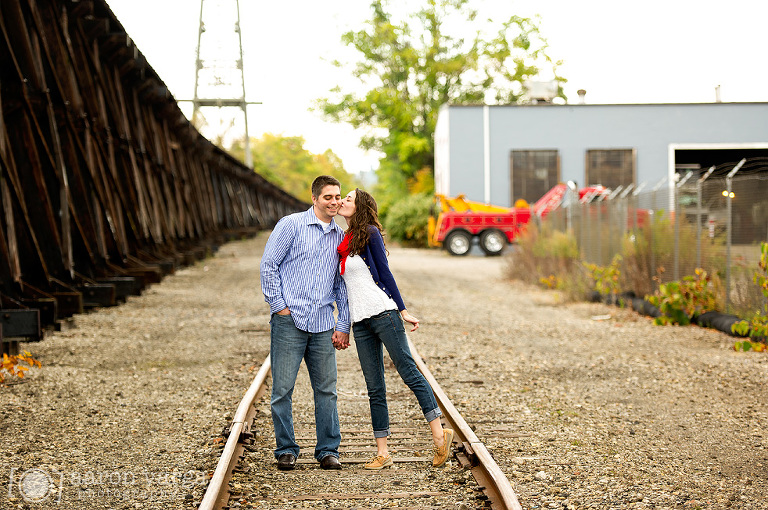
(366, 213)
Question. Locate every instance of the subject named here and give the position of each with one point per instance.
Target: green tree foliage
(284, 161)
(407, 220)
(413, 66)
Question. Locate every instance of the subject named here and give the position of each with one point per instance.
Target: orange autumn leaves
(13, 365)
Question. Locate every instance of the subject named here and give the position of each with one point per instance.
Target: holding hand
(407, 317)
(340, 340)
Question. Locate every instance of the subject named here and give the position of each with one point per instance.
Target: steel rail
(472, 452)
(217, 494)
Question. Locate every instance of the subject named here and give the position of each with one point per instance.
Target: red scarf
(343, 250)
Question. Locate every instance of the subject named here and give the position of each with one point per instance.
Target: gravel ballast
(579, 410)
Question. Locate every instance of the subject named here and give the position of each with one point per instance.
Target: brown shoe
(442, 452)
(330, 462)
(379, 462)
(286, 462)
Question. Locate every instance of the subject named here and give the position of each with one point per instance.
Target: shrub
(547, 257)
(747, 299)
(407, 219)
(606, 279)
(551, 258)
(649, 251)
(681, 301)
(757, 325)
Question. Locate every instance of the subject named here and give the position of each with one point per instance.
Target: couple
(308, 264)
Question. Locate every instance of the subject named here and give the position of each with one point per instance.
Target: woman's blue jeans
(288, 346)
(386, 330)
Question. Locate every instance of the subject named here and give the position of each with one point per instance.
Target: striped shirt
(300, 271)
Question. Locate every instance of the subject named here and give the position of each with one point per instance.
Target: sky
(655, 51)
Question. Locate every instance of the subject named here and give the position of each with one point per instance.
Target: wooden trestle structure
(105, 186)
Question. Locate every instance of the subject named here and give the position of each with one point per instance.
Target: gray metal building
(498, 154)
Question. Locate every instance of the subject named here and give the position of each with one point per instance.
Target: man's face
(327, 204)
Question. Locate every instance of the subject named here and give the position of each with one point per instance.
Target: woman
(374, 303)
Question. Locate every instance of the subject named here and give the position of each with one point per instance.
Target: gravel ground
(621, 413)
(412, 478)
(129, 405)
(578, 412)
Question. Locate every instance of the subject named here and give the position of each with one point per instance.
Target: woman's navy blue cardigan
(375, 257)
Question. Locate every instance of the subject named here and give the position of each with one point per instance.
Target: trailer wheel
(492, 242)
(458, 243)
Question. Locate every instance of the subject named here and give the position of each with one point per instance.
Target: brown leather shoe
(442, 452)
(330, 462)
(286, 462)
(379, 462)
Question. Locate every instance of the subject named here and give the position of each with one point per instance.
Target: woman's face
(347, 208)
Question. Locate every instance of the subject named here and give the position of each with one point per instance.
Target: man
(300, 280)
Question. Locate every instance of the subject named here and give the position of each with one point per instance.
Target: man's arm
(342, 303)
(341, 335)
(278, 245)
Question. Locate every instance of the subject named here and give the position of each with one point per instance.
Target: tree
(285, 162)
(412, 67)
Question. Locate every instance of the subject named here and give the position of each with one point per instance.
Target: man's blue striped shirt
(300, 271)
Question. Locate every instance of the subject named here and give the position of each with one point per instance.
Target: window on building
(610, 167)
(533, 173)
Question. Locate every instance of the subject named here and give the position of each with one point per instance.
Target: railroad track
(246, 475)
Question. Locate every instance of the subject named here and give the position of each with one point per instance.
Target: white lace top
(366, 299)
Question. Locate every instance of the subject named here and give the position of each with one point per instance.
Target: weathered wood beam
(105, 186)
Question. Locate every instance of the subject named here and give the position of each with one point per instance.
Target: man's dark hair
(321, 182)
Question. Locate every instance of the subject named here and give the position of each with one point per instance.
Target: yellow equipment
(461, 204)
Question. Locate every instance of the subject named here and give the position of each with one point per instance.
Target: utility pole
(216, 72)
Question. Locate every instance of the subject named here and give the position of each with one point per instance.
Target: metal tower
(219, 78)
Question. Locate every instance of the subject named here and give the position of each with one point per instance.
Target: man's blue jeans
(288, 347)
(386, 329)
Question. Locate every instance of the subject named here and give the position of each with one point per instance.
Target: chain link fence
(714, 219)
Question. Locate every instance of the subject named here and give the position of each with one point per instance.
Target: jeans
(386, 329)
(289, 345)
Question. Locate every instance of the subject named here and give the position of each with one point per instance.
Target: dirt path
(579, 413)
(614, 413)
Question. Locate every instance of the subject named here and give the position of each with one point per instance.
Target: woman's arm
(379, 255)
(407, 317)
